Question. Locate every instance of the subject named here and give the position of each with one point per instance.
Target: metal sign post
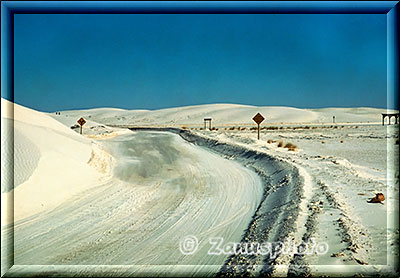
(81, 122)
(258, 119)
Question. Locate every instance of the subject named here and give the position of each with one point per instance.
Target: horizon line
(201, 104)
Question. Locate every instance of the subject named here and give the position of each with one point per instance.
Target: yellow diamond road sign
(81, 121)
(258, 118)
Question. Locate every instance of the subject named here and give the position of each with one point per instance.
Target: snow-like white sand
(117, 197)
(165, 189)
(348, 165)
(138, 194)
(50, 162)
(227, 114)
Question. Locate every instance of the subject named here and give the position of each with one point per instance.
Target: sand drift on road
(163, 190)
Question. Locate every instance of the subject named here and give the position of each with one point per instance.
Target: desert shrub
(184, 127)
(243, 128)
(322, 142)
(253, 128)
(341, 141)
(280, 144)
(291, 147)
(269, 141)
(232, 128)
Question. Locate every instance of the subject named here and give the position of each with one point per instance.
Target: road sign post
(258, 119)
(81, 122)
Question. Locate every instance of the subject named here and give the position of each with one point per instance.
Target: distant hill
(228, 114)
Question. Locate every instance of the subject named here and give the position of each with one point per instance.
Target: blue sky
(152, 61)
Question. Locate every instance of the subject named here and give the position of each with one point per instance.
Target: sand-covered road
(162, 190)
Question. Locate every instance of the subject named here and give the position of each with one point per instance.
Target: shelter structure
(390, 115)
(209, 123)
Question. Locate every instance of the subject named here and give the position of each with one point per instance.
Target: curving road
(162, 190)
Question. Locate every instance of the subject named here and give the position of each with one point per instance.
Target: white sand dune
(50, 161)
(225, 114)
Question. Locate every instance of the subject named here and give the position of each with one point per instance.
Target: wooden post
(258, 131)
(81, 129)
